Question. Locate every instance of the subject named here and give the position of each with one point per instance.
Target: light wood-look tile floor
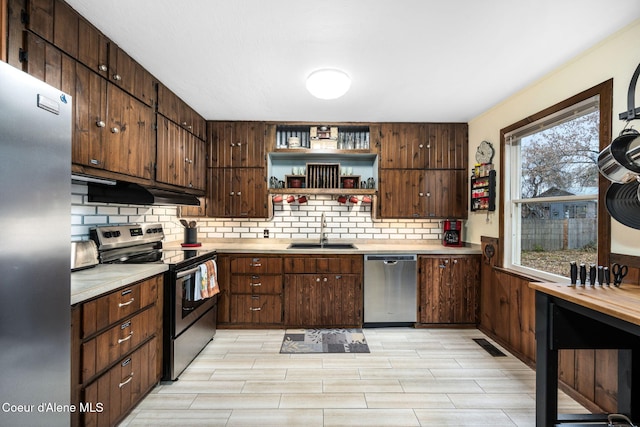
(412, 377)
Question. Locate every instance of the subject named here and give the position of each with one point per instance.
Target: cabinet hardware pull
(127, 338)
(238, 193)
(255, 284)
(125, 325)
(318, 279)
(255, 308)
(122, 304)
(455, 261)
(421, 194)
(126, 362)
(95, 162)
(324, 280)
(117, 77)
(256, 264)
(100, 124)
(232, 193)
(126, 292)
(125, 382)
(115, 130)
(428, 194)
(232, 144)
(102, 67)
(421, 146)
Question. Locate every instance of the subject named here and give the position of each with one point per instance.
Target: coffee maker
(452, 233)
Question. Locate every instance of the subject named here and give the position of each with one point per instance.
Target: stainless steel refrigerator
(35, 230)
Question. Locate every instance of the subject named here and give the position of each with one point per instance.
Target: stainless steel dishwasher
(390, 290)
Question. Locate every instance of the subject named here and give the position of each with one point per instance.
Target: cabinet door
(465, 282)
(93, 48)
(125, 72)
(181, 156)
(48, 64)
(447, 145)
(130, 145)
(423, 194)
(302, 293)
(90, 119)
(237, 144)
(65, 28)
(172, 107)
(402, 194)
(341, 301)
(238, 193)
(89, 92)
(435, 290)
(403, 146)
(449, 289)
(41, 14)
(445, 194)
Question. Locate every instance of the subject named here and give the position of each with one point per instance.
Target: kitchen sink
(321, 246)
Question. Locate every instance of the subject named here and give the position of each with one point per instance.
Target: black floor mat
(490, 348)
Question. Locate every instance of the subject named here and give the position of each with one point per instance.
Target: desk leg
(546, 365)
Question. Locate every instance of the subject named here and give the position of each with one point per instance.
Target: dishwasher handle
(389, 259)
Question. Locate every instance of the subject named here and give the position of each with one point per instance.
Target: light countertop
(104, 278)
(279, 246)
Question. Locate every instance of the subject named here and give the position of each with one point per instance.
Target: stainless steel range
(189, 315)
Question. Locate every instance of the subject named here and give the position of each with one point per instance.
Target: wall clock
(485, 152)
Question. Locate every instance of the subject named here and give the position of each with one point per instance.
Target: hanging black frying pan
(623, 203)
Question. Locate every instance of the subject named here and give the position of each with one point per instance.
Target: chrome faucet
(323, 234)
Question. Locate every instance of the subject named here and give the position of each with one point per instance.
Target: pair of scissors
(619, 271)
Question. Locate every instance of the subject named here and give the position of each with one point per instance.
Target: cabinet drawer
(101, 351)
(116, 306)
(256, 284)
(344, 264)
(255, 265)
(120, 388)
(256, 309)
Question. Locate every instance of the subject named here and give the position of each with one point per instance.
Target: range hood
(134, 194)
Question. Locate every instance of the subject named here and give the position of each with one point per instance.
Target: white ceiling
(410, 60)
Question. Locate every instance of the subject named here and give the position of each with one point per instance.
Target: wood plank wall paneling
(507, 315)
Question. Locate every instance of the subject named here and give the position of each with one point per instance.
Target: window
(552, 210)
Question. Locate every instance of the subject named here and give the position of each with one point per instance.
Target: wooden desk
(569, 317)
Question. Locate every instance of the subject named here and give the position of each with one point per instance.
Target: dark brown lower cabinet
(323, 300)
(116, 352)
(252, 284)
(449, 289)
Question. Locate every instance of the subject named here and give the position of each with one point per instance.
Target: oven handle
(187, 272)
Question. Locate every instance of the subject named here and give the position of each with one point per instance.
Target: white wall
(617, 57)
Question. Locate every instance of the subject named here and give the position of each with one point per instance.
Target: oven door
(186, 309)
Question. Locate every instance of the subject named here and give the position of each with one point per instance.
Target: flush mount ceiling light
(328, 83)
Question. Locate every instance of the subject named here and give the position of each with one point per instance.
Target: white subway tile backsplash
(290, 221)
